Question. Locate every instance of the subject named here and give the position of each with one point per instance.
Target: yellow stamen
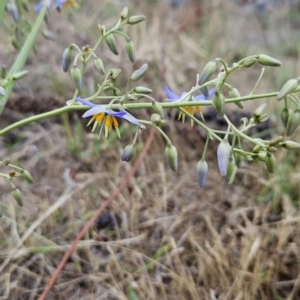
(70, 3)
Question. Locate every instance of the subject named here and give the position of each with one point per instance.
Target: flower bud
(267, 60)
(272, 149)
(2, 91)
(99, 66)
(128, 152)
(67, 58)
(234, 93)
(138, 74)
(262, 155)
(111, 43)
(231, 170)
(287, 88)
(276, 140)
(259, 110)
(238, 159)
(262, 118)
(20, 75)
(270, 162)
(114, 73)
(219, 103)
(142, 90)
(3, 72)
(26, 175)
(130, 50)
(13, 10)
(202, 170)
(290, 145)
(76, 75)
(135, 19)
(17, 195)
(293, 122)
(285, 116)
(6, 162)
(208, 70)
(12, 174)
(156, 119)
(223, 156)
(48, 35)
(249, 62)
(157, 107)
(172, 157)
(124, 13)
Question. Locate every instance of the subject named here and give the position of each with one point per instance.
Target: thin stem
(163, 134)
(258, 81)
(205, 146)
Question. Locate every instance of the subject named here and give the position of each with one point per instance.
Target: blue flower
(223, 154)
(172, 97)
(104, 116)
(56, 4)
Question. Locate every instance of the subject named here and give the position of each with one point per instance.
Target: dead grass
(163, 237)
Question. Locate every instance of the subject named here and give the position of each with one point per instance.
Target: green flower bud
(111, 43)
(142, 90)
(287, 88)
(138, 74)
(67, 58)
(267, 60)
(290, 145)
(208, 70)
(3, 72)
(124, 13)
(257, 148)
(24, 5)
(156, 119)
(114, 73)
(270, 162)
(293, 122)
(259, 110)
(249, 62)
(12, 174)
(234, 93)
(26, 175)
(130, 50)
(238, 159)
(157, 107)
(276, 140)
(76, 75)
(172, 157)
(272, 149)
(262, 155)
(15, 44)
(135, 19)
(231, 170)
(285, 116)
(6, 162)
(128, 153)
(99, 66)
(20, 75)
(2, 91)
(202, 170)
(219, 103)
(48, 35)
(17, 195)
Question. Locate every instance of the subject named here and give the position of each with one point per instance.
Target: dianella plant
(106, 113)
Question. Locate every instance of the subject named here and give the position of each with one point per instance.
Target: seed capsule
(17, 196)
(172, 157)
(76, 75)
(293, 122)
(287, 88)
(68, 58)
(129, 46)
(136, 19)
(138, 74)
(267, 60)
(99, 66)
(270, 162)
(111, 43)
(219, 103)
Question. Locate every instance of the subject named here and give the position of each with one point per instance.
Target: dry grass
(163, 237)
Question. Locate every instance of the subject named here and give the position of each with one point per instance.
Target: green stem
(205, 146)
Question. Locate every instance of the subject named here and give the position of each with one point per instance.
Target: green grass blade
(2, 7)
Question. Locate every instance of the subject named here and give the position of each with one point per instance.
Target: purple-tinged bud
(128, 153)
(135, 19)
(249, 62)
(111, 43)
(290, 145)
(2, 91)
(287, 88)
(267, 60)
(293, 122)
(138, 74)
(99, 66)
(202, 170)
(26, 175)
(114, 73)
(234, 93)
(172, 157)
(17, 196)
(142, 90)
(76, 75)
(285, 116)
(270, 162)
(129, 46)
(124, 13)
(48, 35)
(219, 103)
(157, 107)
(223, 156)
(67, 58)
(13, 10)
(20, 75)
(231, 170)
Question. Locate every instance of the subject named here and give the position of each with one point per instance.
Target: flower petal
(171, 95)
(203, 97)
(131, 119)
(95, 110)
(85, 102)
